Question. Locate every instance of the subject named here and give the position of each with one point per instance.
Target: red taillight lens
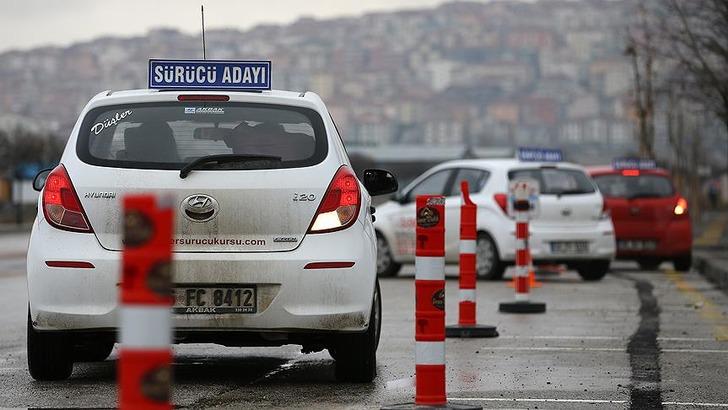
(61, 206)
(340, 206)
(502, 201)
(631, 172)
(203, 97)
(681, 208)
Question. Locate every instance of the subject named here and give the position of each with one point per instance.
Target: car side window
(435, 184)
(476, 180)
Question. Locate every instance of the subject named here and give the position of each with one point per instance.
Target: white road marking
(560, 349)
(665, 339)
(693, 404)
(576, 401)
(564, 337)
(537, 400)
(596, 349)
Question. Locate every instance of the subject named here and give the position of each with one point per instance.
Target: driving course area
(637, 338)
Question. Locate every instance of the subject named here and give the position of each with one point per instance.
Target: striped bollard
(430, 388)
(467, 308)
(522, 210)
(145, 356)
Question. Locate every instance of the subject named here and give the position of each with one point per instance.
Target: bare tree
(694, 36)
(642, 55)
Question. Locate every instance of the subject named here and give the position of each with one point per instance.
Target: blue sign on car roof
(633, 163)
(209, 75)
(540, 154)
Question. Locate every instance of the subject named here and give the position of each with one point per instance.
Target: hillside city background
(462, 76)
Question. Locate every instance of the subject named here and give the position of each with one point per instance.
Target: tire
(593, 270)
(386, 265)
(50, 355)
(356, 354)
(649, 264)
(488, 263)
(93, 352)
(683, 263)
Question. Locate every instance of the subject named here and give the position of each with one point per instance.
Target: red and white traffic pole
(145, 358)
(430, 390)
(467, 308)
(522, 303)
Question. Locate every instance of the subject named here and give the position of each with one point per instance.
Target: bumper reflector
(328, 265)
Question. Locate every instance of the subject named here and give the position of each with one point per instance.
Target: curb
(715, 270)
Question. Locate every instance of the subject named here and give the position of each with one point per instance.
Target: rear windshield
(170, 135)
(642, 186)
(556, 181)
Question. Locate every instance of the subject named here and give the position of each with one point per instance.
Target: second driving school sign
(209, 74)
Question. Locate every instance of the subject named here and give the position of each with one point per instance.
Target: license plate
(570, 248)
(216, 299)
(636, 245)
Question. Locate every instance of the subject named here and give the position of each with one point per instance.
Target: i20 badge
(199, 207)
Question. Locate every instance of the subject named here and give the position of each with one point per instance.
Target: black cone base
(471, 331)
(522, 307)
(456, 406)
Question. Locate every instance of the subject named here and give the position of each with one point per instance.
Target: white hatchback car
(267, 202)
(571, 226)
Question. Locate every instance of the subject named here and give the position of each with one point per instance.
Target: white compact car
(266, 203)
(571, 226)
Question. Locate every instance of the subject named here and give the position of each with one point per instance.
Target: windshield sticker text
(110, 122)
(204, 110)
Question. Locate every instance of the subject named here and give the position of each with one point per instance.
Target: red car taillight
(61, 206)
(340, 206)
(681, 208)
(502, 201)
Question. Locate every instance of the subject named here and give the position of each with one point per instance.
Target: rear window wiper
(222, 158)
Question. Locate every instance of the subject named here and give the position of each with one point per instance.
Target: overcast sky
(31, 23)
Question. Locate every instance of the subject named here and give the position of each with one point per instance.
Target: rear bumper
(599, 237)
(290, 299)
(674, 239)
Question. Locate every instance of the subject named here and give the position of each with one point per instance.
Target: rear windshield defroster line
(168, 135)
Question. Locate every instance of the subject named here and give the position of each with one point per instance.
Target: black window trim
(321, 150)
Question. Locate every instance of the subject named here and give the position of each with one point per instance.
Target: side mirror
(380, 182)
(40, 179)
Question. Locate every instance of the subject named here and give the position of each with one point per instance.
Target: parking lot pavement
(640, 338)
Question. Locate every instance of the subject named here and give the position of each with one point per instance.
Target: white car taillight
(340, 205)
(61, 206)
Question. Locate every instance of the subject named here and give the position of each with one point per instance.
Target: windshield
(170, 135)
(556, 181)
(642, 186)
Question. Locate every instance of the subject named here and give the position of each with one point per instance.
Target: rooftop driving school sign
(209, 75)
(540, 154)
(634, 163)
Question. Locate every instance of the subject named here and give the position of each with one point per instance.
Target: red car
(650, 218)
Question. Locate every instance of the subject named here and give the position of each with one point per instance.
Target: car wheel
(93, 352)
(683, 263)
(649, 264)
(487, 261)
(356, 354)
(50, 355)
(593, 270)
(386, 265)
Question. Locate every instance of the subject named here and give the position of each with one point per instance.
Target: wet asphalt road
(646, 339)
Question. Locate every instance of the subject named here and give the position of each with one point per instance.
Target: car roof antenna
(202, 14)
